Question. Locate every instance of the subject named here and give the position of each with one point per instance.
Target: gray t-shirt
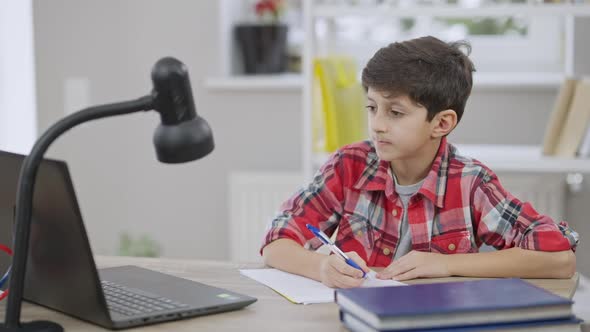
(405, 193)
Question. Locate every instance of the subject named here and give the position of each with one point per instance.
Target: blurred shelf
(294, 82)
(509, 158)
(522, 158)
(278, 82)
(334, 11)
(517, 80)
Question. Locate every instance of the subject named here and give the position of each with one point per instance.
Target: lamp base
(35, 326)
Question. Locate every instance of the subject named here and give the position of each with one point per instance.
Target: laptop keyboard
(125, 301)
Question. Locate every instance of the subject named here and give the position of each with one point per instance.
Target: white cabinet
(573, 21)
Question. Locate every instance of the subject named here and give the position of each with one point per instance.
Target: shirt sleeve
(503, 221)
(319, 203)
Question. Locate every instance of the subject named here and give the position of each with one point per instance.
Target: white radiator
(255, 198)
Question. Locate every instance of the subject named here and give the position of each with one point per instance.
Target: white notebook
(302, 290)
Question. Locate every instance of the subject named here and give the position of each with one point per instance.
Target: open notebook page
(302, 290)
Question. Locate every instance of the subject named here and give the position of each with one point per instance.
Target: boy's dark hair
(433, 73)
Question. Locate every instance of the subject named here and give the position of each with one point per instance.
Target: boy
(406, 200)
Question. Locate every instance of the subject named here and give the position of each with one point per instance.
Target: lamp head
(183, 135)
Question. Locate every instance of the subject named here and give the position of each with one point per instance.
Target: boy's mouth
(381, 141)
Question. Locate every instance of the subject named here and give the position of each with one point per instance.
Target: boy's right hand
(335, 273)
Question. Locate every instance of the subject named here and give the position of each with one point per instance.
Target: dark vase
(263, 47)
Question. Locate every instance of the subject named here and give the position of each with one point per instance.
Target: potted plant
(263, 44)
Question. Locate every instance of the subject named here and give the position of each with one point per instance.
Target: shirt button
(452, 247)
(386, 251)
(394, 212)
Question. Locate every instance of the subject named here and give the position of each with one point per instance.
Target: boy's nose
(377, 124)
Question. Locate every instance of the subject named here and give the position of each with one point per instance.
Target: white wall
(113, 45)
(17, 76)
(121, 186)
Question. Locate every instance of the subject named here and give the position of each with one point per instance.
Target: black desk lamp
(182, 136)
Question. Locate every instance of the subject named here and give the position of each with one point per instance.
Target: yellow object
(338, 115)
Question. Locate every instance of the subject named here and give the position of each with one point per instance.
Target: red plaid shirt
(460, 206)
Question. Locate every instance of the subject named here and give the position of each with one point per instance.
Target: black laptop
(61, 273)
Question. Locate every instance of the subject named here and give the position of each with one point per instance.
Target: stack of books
(568, 130)
(483, 305)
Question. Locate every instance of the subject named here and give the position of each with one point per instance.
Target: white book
(302, 290)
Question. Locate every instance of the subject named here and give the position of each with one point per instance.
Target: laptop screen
(61, 273)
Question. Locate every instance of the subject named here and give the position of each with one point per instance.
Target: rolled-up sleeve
(319, 204)
(503, 221)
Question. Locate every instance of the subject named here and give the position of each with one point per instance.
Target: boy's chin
(386, 156)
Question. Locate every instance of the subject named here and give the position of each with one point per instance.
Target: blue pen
(326, 240)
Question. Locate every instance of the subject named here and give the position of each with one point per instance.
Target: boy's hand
(335, 273)
(416, 264)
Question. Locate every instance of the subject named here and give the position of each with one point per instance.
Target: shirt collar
(377, 175)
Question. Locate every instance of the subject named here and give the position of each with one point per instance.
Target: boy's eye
(370, 108)
(396, 113)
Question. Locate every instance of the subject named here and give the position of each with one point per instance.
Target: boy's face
(398, 126)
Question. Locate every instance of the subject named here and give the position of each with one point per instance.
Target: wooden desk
(270, 311)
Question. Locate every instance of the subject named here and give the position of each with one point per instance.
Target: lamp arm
(26, 183)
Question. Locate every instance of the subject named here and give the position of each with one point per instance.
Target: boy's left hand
(416, 264)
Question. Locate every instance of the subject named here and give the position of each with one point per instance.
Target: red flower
(272, 7)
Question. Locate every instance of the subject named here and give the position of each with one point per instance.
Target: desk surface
(271, 310)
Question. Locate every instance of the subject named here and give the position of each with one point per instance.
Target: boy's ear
(443, 123)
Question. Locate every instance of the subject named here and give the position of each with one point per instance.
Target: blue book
(571, 324)
(452, 304)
